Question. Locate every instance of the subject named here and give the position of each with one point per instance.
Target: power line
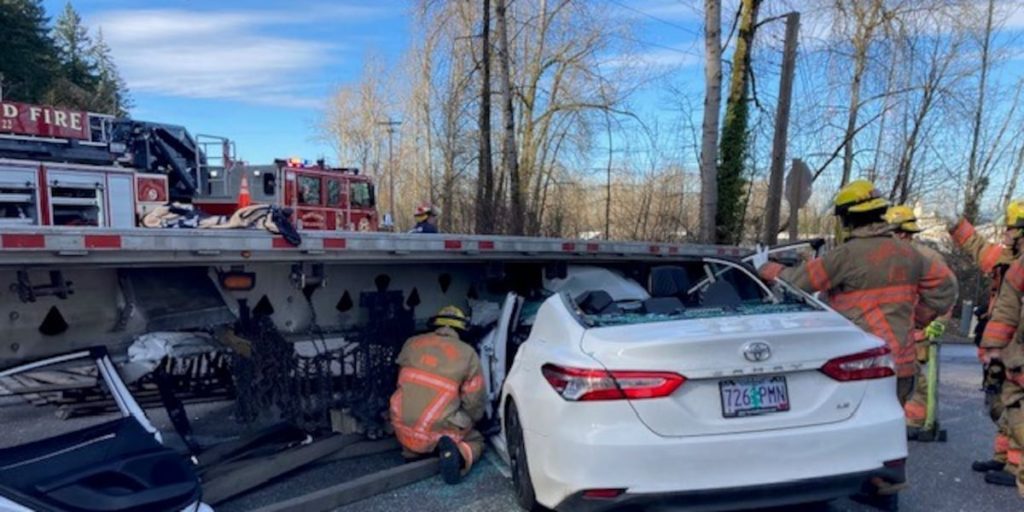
(691, 52)
(656, 18)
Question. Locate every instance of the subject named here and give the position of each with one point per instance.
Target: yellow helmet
(450, 316)
(903, 218)
(859, 196)
(1015, 214)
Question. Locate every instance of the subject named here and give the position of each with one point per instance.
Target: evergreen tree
(112, 96)
(73, 44)
(27, 54)
(78, 78)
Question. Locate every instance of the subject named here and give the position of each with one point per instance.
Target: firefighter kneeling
(440, 397)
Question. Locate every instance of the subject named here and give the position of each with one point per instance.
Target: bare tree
(510, 157)
(867, 17)
(485, 178)
(977, 181)
(712, 110)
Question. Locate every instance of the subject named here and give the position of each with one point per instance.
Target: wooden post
(772, 211)
(794, 207)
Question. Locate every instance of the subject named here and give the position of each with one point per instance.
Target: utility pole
(794, 205)
(778, 167)
(390, 125)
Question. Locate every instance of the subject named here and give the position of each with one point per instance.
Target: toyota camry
(703, 388)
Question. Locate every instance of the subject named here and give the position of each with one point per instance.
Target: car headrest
(721, 293)
(668, 281)
(597, 302)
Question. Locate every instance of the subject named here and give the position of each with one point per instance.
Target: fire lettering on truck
(24, 119)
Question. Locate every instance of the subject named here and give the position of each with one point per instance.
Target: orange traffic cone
(244, 198)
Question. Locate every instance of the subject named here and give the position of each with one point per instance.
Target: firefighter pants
(904, 388)
(993, 384)
(916, 408)
(470, 443)
(1013, 419)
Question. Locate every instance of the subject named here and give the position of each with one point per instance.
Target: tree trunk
(485, 179)
(712, 110)
(734, 132)
(851, 118)
(510, 157)
(976, 184)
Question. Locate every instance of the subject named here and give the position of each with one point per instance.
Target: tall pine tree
(27, 54)
(78, 78)
(73, 44)
(112, 96)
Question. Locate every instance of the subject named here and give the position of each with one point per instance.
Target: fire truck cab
(321, 197)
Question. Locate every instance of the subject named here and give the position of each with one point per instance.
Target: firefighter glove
(934, 330)
(760, 257)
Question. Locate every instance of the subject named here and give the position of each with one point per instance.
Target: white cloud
(250, 56)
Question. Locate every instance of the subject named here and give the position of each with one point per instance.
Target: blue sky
(256, 72)
(259, 71)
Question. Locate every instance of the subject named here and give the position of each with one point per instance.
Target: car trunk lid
(710, 353)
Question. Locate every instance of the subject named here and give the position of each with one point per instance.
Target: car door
(119, 465)
(494, 350)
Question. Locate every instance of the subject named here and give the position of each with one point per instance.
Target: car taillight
(580, 384)
(602, 494)
(876, 363)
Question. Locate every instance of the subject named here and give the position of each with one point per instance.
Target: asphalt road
(940, 475)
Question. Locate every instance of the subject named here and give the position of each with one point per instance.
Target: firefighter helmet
(858, 197)
(903, 218)
(423, 211)
(1015, 214)
(450, 316)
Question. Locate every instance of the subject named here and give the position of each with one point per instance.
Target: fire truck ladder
(215, 161)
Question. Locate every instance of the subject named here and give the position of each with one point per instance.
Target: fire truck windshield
(333, 193)
(362, 195)
(309, 190)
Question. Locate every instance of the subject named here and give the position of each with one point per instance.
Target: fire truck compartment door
(177, 298)
(17, 177)
(120, 193)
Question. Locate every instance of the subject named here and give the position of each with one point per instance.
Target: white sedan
(706, 389)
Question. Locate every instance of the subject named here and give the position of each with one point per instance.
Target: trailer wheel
(517, 457)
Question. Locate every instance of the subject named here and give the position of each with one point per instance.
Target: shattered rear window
(701, 289)
(629, 318)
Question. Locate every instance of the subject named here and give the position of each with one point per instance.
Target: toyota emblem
(757, 351)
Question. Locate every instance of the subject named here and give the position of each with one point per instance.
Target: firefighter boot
(451, 460)
(985, 466)
(1002, 478)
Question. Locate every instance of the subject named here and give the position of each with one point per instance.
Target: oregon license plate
(750, 396)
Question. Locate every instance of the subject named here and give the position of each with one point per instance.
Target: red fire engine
(322, 197)
(61, 167)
